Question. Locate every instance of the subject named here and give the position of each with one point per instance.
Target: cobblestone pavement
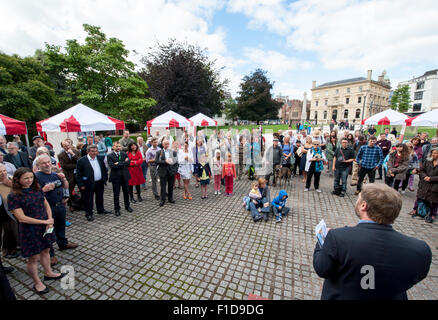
(209, 249)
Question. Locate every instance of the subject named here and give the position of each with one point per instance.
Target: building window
(335, 114)
(348, 90)
(360, 88)
(416, 107)
(316, 103)
(359, 100)
(325, 102)
(357, 113)
(326, 93)
(347, 100)
(316, 115)
(325, 115)
(337, 91)
(420, 85)
(345, 114)
(418, 95)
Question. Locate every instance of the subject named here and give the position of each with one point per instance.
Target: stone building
(344, 100)
(290, 112)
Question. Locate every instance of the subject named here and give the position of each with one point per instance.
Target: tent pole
(27, 140)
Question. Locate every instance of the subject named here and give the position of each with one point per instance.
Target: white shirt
(96, 168)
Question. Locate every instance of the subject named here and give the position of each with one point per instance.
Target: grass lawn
(409, 133)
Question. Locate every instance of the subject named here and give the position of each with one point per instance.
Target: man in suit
(68, 159)
(371, 260)
(118, 161)
(91, 177)
(166, 160)
(17, 158)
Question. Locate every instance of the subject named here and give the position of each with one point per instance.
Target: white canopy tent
(428, 119)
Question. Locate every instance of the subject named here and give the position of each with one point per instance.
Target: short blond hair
(383, 202)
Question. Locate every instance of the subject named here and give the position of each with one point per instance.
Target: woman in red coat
(137, 178)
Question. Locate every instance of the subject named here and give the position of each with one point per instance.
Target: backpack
(251, 172)
(423, 208)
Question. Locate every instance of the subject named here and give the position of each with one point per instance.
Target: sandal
(190, 198)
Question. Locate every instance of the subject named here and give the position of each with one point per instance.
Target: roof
(328, 84)
(431, 72)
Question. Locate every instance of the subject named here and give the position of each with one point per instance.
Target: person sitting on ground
(263, 204)
(371, 261)
(255, 194)
(279, 206)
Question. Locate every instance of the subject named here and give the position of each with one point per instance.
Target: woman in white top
(185, 161)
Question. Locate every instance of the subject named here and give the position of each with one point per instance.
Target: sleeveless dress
(304, 160)
(135, 169)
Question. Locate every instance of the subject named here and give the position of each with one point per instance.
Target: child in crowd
(217, 172)
(255, 194)
(204, 176)
(279, 206)
(229, 173)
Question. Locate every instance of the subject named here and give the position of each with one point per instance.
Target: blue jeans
(144, 168)
(253, 207)
(341, 174)
(279, 213)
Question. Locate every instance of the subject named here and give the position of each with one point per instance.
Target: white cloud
(374, 34)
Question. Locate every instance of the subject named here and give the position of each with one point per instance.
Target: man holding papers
(371, 261)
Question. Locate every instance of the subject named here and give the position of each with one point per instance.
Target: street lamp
(363, 109)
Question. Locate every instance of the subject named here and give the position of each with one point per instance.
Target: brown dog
(285, 175)
(277, 174)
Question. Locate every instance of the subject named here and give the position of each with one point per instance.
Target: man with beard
(371, 261)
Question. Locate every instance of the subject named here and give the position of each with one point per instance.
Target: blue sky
(295, 41)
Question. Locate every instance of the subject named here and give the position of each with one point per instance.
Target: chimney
(369, 74)
(381, 78)
(313, 84)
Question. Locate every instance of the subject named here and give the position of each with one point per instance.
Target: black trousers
(312, 173)
(297, 165)
(58, 214)
(116, 193)
(167, 181)
(131, 191)
(9, 236)
(391, 182)
(88, 194)
(362, 173)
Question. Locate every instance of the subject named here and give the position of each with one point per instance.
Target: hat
(36, 137)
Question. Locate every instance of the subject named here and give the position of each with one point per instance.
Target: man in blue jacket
(279, 205)
(371, 261)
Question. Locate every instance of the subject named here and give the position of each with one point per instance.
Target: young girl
(255, 194)
(217, 172)
(229, 173)
(185, 160)
(204, 174)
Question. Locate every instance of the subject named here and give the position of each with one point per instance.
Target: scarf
(319, 166)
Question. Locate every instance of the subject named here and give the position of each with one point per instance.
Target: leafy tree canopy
(182, 79)
(400, 99)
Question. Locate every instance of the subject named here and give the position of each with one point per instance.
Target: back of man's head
(383, 203)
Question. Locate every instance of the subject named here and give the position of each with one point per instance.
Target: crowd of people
(36, 188)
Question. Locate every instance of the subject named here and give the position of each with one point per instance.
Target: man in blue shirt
(369, 158)
(53, 186)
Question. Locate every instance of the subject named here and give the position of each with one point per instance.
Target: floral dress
(31, 235)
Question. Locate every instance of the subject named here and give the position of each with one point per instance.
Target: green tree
(98, 74)
(400, 99)
(26, 92)
(183, 79)
(230, 108)
(254, 101)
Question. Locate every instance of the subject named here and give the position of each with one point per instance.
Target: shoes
(133, 200)
(403, 192)
(218, 192)
(171, 201)
(139, 198)
(12, 255)
(356, 192)
(157, 198)
(161, 203)
(257, 218)
(46, 290)
(67, 223)
(318, 190)
(117, 213)
(90, 218)
(277, 219)
(335, 193)
(307, 189)
(105, 212)
(185, 198)
(190, 198)
(70, 245)
(62, 275)
(411, 189)
(342, 194)
(428, 219)
(379, 178)
(266, 217)
(53, 261)
(7, 270)
(129, 209)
